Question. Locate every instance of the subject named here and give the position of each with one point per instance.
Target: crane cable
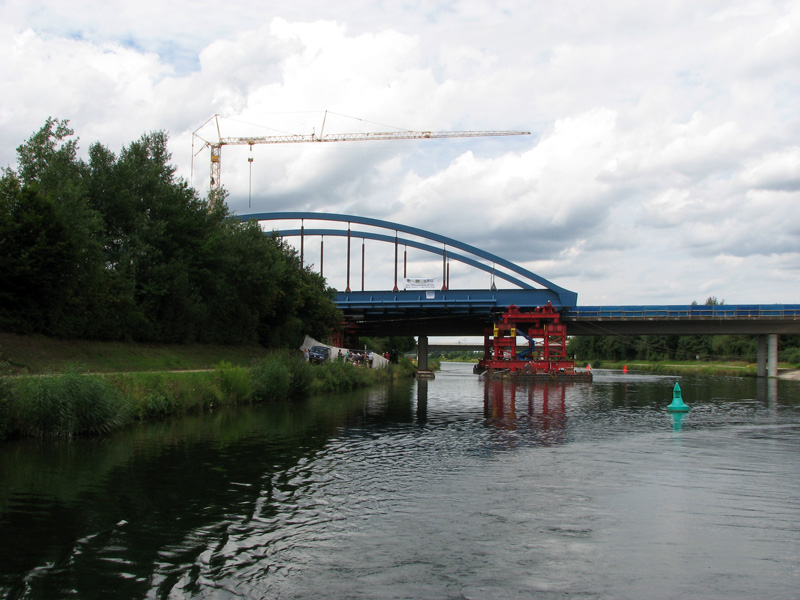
(250, 191)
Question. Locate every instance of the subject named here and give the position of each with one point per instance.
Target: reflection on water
(542, 407)
(452, 488)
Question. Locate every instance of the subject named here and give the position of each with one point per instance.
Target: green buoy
(677, 401)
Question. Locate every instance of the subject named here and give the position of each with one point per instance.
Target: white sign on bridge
(421, 283)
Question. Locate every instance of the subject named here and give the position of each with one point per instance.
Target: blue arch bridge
(534, 308)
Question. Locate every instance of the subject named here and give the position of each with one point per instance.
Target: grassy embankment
(672, 367)
(676, 367)
(63, 388)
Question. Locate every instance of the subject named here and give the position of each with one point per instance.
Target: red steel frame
(546, 352)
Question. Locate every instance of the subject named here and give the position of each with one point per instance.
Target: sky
(662, 165)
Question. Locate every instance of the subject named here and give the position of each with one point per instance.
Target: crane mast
(216, 146)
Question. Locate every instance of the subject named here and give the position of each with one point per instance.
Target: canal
(452, 488)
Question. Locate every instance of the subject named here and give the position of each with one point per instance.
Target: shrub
(155, 406)
(340, 375)
(301, 377)
(66, 405)
(235, 383)
(5, 410)
(792, 356)
(271, 380)
(158, 395)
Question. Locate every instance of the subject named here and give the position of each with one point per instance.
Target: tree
(402, 344)
(120, 248)
(49, 167)
(49, 157)
(34, 255)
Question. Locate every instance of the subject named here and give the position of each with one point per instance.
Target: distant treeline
(678, 347)
(119, 248)
(663, 347)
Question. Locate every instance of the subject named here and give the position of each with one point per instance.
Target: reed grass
(62, 405)
(77, 403)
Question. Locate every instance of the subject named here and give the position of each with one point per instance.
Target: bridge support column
(422, 358)
(767, 361)
(772, 355)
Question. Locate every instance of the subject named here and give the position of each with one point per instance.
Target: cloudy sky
(663, 164)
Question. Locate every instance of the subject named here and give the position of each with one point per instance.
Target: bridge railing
(733, 311)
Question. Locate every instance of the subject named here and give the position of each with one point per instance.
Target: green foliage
(406, 367)
(75, 403)
(673, 347)
(121, 249)
(64, 405)
(271, 380)
(281, 377)
(49, 259)
(457, 355)
(234, 382)
(340, 375)
(301, 377)
(155, 406)
(386, 344)
(790, 355)
(154, 396)
(5, 410)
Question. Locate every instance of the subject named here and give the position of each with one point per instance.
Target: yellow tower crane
(216, 146)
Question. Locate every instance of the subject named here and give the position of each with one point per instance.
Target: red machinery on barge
(543, 357)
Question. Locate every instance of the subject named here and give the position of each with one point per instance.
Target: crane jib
(358, 137)
(216, 147)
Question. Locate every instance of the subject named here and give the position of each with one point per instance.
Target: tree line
(120, 248)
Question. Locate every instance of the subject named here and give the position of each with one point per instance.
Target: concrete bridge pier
(422, 358)
(767, 364)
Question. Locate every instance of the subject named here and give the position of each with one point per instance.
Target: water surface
(451, 488)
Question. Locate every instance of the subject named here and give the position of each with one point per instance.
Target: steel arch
(567, 297)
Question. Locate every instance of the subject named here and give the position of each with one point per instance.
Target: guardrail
(699, 312)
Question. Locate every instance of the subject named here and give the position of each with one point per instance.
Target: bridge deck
(756, 319)
(467, 312)
(733, 311)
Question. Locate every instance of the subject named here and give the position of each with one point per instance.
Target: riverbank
(733, 368)
(75, 402)
(34, 354)
(59, 388)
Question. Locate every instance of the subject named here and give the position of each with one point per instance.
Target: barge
(542, 357)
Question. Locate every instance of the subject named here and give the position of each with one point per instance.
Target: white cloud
(778, 171)
(662, 166)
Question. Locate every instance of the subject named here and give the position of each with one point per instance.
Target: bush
(339, 375)
(155, 406)
(235, 383)
(271, 380)
(5, 410)
(75, 403)
(158, 395)
(65, 405)
(301, 377)
(791, 355)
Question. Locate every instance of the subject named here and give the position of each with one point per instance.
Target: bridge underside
(698, 326)
(434, 312)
